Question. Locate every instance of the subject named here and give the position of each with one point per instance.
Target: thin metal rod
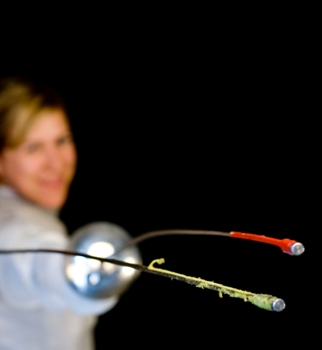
(73, 253)
(152, 234)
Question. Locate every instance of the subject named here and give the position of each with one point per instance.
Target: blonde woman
(38, 307)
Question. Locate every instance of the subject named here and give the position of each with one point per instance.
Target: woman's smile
(43, 166)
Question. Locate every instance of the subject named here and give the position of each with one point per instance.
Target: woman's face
(42, 167)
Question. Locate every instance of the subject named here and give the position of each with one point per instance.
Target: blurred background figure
(47, 301)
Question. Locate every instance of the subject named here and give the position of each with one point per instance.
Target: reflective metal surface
(278, 305)
(91, 277)
(297, 248)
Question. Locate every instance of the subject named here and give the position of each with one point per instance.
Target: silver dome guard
(93, 278)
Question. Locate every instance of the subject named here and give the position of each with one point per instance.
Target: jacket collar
(8, 192)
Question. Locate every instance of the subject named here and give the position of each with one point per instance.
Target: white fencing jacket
(38, 309)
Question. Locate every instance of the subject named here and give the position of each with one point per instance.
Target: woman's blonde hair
(21, 102)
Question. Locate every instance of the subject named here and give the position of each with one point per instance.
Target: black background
(196, 140)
